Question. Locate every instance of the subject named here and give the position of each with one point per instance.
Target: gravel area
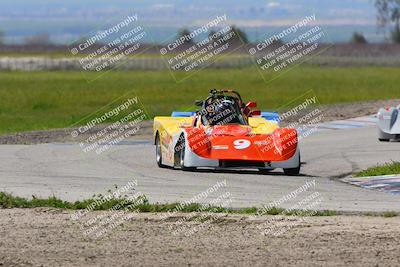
(48, 237)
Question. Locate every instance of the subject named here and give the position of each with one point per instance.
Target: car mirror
(255, 112)
(251, 104)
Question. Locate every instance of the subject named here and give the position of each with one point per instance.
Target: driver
(222, 111)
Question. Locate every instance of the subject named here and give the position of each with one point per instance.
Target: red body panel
(235, 142)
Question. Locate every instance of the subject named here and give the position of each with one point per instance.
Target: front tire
(383, 140)
(182, 158)
(159, 152)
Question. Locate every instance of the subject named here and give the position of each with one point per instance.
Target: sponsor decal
(261, 143)
(221, 147)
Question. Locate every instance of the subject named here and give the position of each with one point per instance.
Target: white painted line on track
(353, 123)
(386, 183)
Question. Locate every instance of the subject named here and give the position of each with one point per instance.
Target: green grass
(9, 201)
(389, 214)
(384, 169)
(44, 100)
(49, 54)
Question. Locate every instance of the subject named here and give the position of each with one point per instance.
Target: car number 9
(241, 143)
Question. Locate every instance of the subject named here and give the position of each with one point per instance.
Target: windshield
(223, 111)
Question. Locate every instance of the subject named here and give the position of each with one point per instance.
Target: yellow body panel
(170, 126)
(262, 126)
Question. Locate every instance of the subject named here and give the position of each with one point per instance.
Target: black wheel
(182, 157)
(158, 152)
(383, 140)
(293, 171)
(265, 171)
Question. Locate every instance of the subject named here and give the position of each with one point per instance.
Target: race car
(389, 124)
(226, 133)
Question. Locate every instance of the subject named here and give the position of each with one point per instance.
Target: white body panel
(389, 123)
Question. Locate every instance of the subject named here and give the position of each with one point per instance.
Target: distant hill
(66, 21)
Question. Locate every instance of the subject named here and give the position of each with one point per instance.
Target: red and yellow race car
(226, 133)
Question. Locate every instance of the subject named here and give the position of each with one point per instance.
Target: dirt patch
(48, 237)
(145, 132)
(358, 109)
(331, 112)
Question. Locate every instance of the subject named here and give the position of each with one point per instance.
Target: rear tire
(293, 171)
(159, 152)
(383, 140)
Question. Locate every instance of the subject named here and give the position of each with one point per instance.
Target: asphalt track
(65, 171)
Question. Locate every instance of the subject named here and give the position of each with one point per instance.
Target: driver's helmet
(222, 111)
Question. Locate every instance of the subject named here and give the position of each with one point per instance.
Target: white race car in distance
(389, 124)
